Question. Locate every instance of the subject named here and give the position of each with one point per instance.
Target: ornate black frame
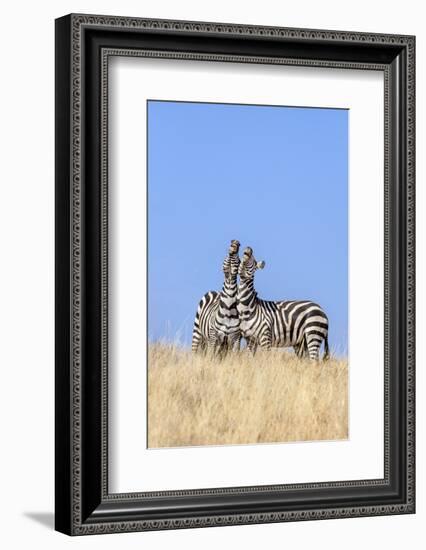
(83, 46)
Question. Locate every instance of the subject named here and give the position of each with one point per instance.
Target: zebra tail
(326, 349)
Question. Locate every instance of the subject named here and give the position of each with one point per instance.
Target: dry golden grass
(271, 397)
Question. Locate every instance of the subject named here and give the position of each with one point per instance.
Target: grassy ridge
(271, 397)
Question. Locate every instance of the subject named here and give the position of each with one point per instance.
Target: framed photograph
(234, 274)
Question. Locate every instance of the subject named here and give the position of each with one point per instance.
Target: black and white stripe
(216, 325)
(302, 325)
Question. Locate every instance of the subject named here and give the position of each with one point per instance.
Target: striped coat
(216, 325)
(300, 324)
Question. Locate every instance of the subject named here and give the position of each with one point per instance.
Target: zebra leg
(214, 344)
(326, 356)
(313, 343)
(222, 347)
(266, 340)
(235, 343)
(299, 349)
(251, 345)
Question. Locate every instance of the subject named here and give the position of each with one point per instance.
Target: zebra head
(232, 261)
(249, 265)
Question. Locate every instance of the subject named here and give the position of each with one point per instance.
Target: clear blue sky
(275, 178)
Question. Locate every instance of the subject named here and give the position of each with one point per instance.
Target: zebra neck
(246, 296)
(229, 289)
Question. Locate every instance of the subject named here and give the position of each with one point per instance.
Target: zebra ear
(261, 264)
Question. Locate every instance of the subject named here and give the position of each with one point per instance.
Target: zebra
(216, 325)
(302, 325)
